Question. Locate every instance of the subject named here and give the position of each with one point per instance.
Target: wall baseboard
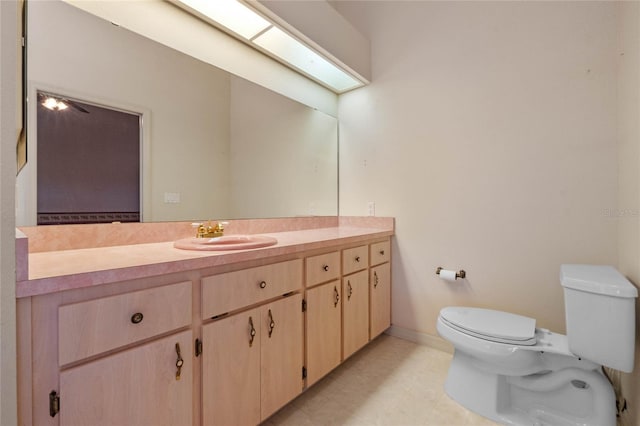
(434, 342)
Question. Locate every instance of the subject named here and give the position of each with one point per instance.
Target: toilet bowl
(506, 369)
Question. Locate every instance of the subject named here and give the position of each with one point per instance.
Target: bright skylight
(239, 19)
(232, 14)
(306, 60)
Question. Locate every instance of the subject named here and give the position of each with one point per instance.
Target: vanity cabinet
(252, 363)
(222, 345)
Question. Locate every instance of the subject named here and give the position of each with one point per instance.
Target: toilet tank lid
(599, 279)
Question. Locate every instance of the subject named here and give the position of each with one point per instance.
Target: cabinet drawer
(380, 252)
(234, 290)
(355, 259)
(95, 326)
(322, 268)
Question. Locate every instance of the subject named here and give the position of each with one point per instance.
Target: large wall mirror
(221, 146)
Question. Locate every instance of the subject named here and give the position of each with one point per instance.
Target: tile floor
(390, 382)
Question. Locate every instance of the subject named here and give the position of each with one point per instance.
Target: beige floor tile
(390, 382)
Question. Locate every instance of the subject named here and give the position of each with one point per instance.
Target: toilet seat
(494, 326)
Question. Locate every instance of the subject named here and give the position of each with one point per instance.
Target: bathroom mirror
(213, 145)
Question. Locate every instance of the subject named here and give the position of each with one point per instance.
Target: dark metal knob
(137, 318)
(263, 284)
(325, 268)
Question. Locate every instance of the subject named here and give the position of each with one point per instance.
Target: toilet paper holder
(460, 274)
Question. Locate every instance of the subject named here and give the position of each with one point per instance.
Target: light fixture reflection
(50, 103)
(54, 104)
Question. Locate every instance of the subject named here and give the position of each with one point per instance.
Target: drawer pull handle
(263, 284)
(375, 279)
(381, 252)
(358, 259)
(179, 362)
(325, 268)
(272, 323)
(137, 318)
(336, 295)
(350, 292)
(252, 332)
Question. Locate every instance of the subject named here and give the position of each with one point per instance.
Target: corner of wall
(10, 27)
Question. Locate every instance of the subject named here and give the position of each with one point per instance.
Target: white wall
(628, 213)
(9, 125)
(186, 101)
(489, 132)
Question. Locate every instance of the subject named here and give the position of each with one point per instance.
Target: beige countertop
(53, 271)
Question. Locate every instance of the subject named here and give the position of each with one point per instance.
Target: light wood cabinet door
(231, 370)
(252, 363)
(380, 288)
(355, 313)
(135, 387)
(324, 316)
(282, 353)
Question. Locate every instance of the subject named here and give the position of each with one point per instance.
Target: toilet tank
(600, 313)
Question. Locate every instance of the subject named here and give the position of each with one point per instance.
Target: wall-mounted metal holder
(460, 274)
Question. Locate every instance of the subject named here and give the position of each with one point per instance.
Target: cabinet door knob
(381, 252)
(357, 258)
(336, 297)
(179, 362)
(272, 323)
(325, 268)
(137, 318)
(252, 332)
(263, 284)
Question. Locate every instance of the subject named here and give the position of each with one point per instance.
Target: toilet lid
(492, 325)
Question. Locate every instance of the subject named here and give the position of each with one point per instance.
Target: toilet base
(569, 396)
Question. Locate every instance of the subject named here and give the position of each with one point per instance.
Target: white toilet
(506, 369)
